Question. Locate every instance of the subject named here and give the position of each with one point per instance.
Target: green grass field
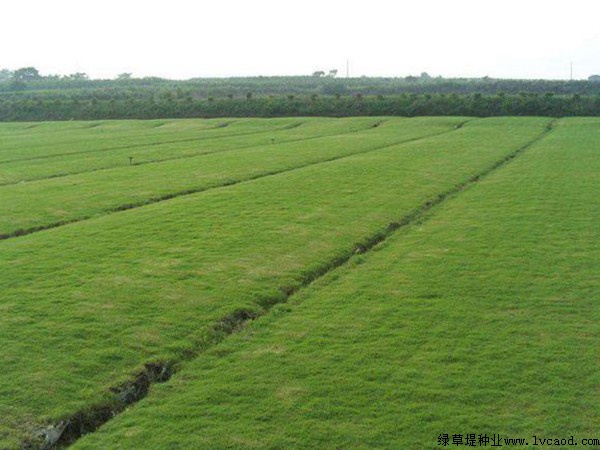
(414, 278)
(54, 201)
(67, 152)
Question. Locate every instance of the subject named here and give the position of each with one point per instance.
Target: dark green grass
(90, 303)
(50, 202)
(75, 156)
(483, 318)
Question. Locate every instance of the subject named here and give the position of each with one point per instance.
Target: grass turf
(89, 303)
(57, 200)
(50, 139)
(84, 151)
(480, 319)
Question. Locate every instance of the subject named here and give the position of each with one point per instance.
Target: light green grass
(89, 303)
(481, 319)
(47, 202)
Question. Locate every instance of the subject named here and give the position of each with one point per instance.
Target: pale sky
(184, 39)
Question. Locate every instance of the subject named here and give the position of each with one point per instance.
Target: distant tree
(425, 76)
(17, 85)
(230, 96)
(248, 95)
(26, 74)
(594, 78)
(5, 74)
(318, 73)
(334, 87)
(78, 76)
(167, 95)
(124, 76)
(332, 73)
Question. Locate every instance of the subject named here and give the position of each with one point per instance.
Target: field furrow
(479, 319)
(91, 303)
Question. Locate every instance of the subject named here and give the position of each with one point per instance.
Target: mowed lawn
(480, 319)
(85, 306)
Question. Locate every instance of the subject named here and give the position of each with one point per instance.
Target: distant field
(407, 277)
(61, 149)
(199, 165)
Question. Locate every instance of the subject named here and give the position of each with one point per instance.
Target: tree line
(29, 79)
(25, 94)
(48, 107)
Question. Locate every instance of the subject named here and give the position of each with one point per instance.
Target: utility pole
(571, 70)
(347, 68)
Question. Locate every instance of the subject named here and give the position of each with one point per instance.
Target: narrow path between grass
(68, 431)
(176, 194)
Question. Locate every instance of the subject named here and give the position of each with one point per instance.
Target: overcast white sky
(184, 39)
